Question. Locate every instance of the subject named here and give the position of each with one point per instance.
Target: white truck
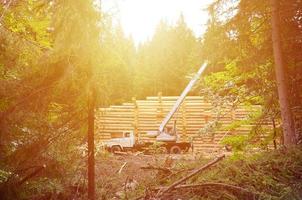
(128, 142)
(167, 137)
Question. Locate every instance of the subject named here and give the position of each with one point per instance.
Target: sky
(139, 18)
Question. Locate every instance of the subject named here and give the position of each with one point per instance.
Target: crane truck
(167, 137)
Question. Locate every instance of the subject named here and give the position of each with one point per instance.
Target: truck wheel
(175, 150)
(116, 148)
(162, 150)
(186, 149)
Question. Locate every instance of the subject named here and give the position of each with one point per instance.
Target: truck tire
(115, 148)
(175, 150)
(162, 150)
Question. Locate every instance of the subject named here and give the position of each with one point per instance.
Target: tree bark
(91, 161)
(282, 83)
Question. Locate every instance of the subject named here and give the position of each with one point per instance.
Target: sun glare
(139, 18)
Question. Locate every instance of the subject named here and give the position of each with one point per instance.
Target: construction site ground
(274, 174)
(118, 174)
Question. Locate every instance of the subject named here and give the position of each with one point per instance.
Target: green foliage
(210, 128)
(165, 61)
(4, 176)
(52, 50)
(242, 70)
(238, 142)
(266, 174)
(158, 65)
(46, 63)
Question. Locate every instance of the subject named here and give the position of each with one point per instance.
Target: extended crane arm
(182, 97)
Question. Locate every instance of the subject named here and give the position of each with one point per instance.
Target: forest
(62, 60)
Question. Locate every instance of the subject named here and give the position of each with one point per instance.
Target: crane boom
(182, 97)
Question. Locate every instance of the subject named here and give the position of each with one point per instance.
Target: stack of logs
(141, 116)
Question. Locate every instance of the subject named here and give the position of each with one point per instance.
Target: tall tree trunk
(286, 114)
(91, 161)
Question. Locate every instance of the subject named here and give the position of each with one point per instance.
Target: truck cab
(127, 141)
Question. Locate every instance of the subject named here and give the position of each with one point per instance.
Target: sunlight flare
(139, 18)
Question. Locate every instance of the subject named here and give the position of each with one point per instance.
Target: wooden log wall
(141, 116)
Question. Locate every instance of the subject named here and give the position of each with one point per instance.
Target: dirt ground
(115, 173)
(239, 176)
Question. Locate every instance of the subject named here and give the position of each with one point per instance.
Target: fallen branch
(122, 167)
(174, 174)
(131, 154)
(34, 173)
(171, 187)
(221, 185)
(139, 153)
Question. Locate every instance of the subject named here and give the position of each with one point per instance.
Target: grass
(272, 175)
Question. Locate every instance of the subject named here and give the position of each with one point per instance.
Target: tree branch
(171, 187)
